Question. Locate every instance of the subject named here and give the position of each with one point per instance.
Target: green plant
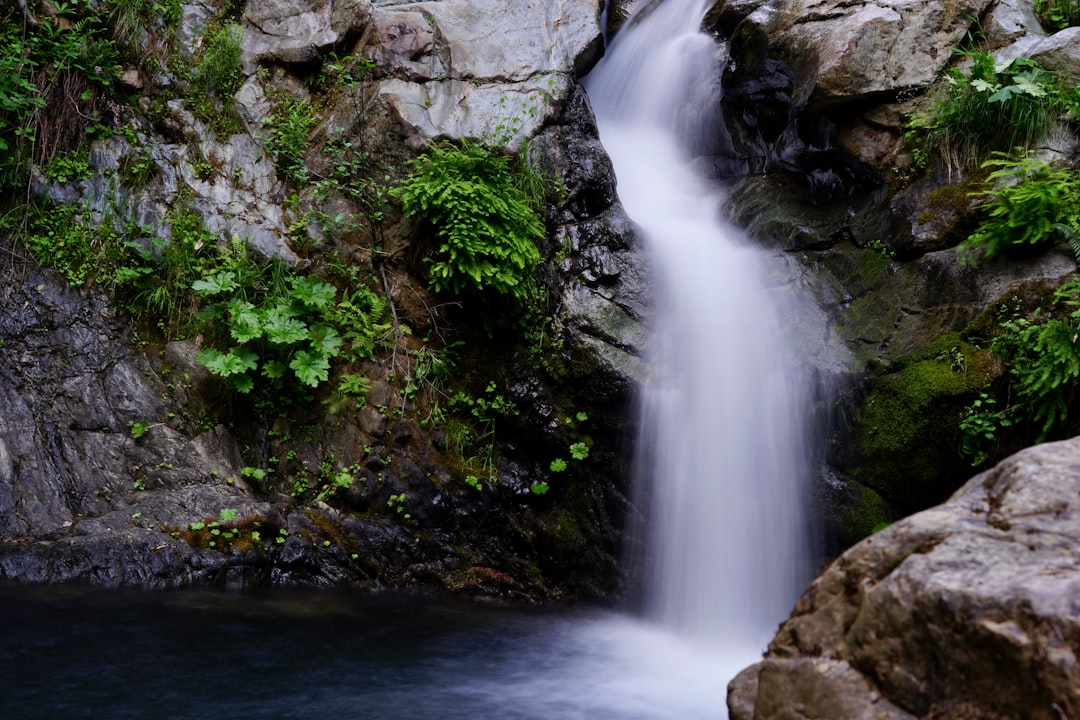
(982, 426)
(51, 73)
(1058, 14)
(138, 428)
(992, 107)
(397, 504)
(955, 357)
(346, 72)
(287, 135)
(253, 473)
(1029, 202)
(351, 392)
(558, 465)
(281, 333)
(1043, 361)
(63, 237)
(486, 226)
(129, 18)
(363, 317)
(579, 451)
(217, 71)
(68, 168)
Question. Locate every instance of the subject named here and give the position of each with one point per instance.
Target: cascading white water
(723, 413)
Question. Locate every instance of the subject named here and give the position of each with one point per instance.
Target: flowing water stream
(723, 454)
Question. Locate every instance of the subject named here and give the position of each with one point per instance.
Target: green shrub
(287, 135)
(486, 225)
(1029, 202)
(34, 60)
(990, 108)
(278, 330)
(1058, 14)
(1044, 361)
(218, 70)
(1041, 354)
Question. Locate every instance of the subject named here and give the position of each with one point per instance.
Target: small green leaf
(245, 322)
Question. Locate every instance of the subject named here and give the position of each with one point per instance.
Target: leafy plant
(287, 135)
(1030, 202)
(486, 227)
(350, 394)
(44, 65)
(1058, 14)
(1043, 361)
(475, 437)
(283, 332)
(217, 71)
(982, 426)
(68, 168)
(138, 428)
(991, 107)
(397, 504)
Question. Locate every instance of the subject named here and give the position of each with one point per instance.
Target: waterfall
(724, 457)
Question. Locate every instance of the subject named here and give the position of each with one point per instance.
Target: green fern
(1044, 362)
(484, 221)
(1029, 202)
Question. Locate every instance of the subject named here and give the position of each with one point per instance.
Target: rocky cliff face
(125, 464)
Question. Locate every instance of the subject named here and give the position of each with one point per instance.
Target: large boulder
(847, 51)
(297, 31)
(965, 610)
(459, 68)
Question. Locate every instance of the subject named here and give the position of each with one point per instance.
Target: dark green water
(73, 654)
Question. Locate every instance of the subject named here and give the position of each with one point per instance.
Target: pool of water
(78, 654)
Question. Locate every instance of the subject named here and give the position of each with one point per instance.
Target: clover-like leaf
(245, 323)
(274, 369)
(234, 362)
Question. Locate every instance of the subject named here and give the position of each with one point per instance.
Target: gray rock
(297, 31)
(965, 610)
(1058, 53)
(81, 499)
(458, 71)
(845, 51)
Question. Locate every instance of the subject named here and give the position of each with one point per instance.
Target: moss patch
(909, 437)
(870, 514)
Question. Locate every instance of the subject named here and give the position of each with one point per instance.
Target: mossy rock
(908, 441)
(869, 514)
